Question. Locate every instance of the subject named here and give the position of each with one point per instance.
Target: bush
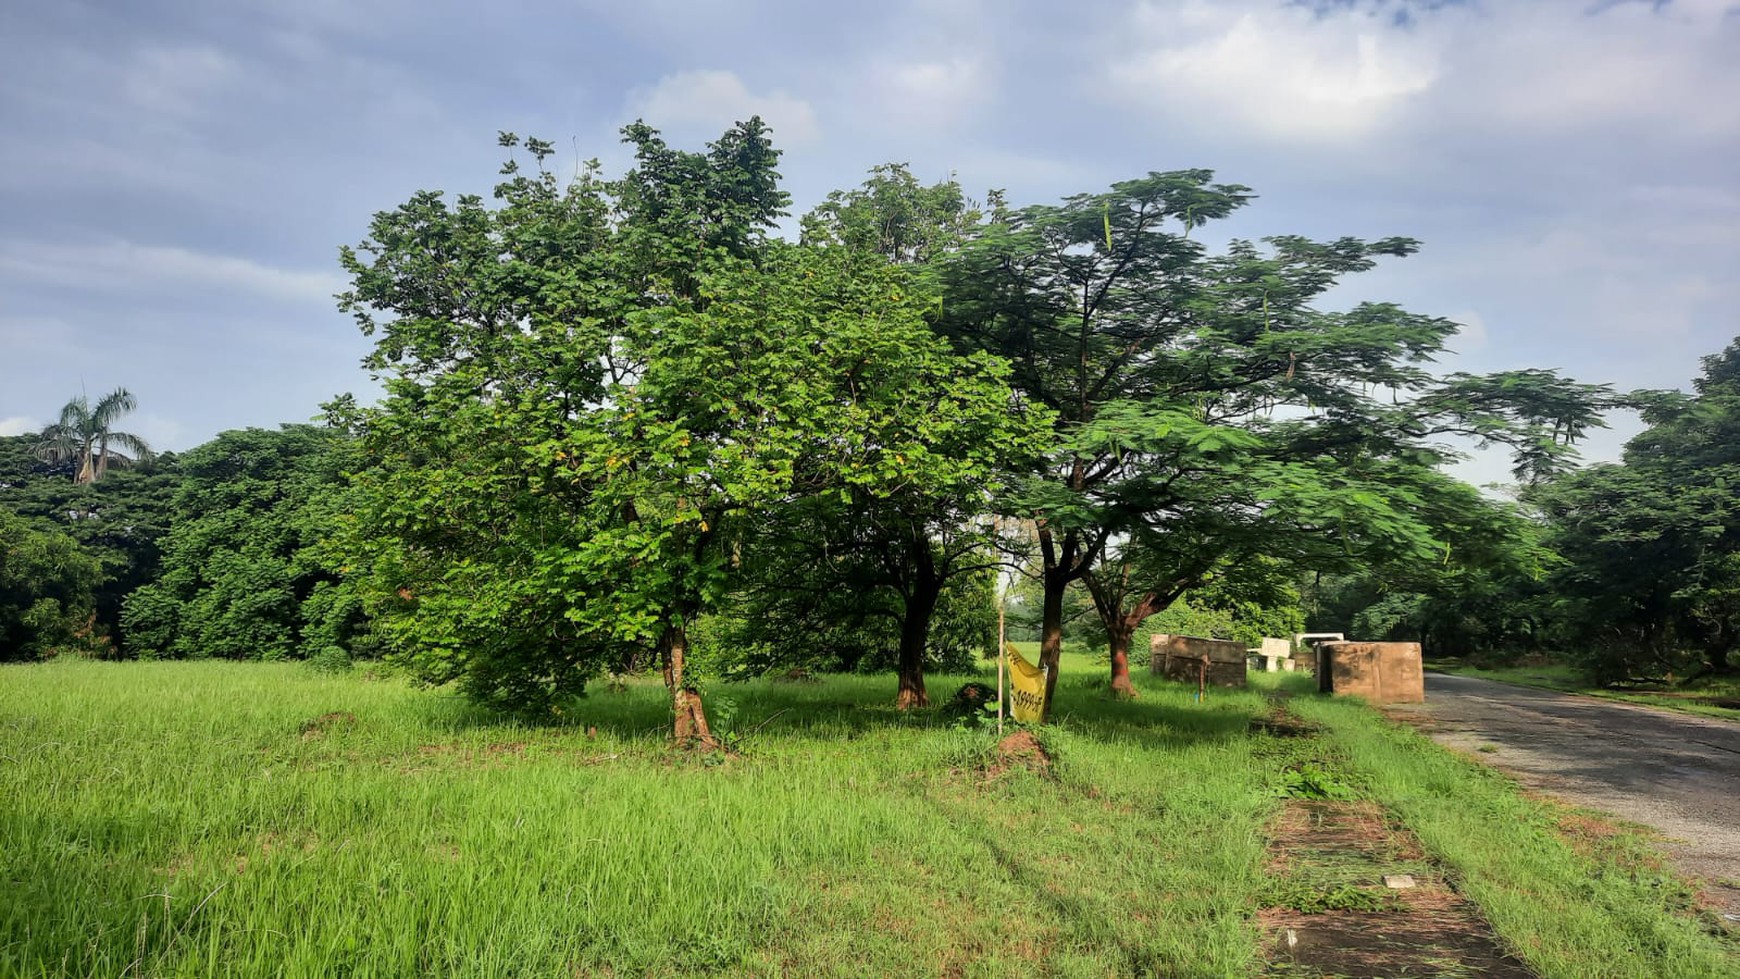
(47, 583)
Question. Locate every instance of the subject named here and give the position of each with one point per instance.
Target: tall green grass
(201, 819)
(215, 819)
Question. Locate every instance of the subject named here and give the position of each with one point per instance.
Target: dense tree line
(627, 426)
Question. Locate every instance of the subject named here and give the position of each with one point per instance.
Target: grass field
(209, 819)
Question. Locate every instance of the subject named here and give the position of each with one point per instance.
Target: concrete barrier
(1183, 657)
(1270, 655)
(1381, 672)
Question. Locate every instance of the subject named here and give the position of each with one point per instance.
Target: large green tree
(246, 573)
(121, 520)
(1652, 544)
(1208, 409)
(598, 389)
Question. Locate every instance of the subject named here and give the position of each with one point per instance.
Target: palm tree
(86, 434)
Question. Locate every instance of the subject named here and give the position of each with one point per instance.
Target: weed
(1309, 781)
(1304, 897)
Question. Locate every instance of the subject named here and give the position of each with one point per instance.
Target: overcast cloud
(177, 175)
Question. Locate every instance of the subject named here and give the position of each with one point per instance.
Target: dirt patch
(1283, 723)
(1359, 944)
(1332, 913)
(319, 726)
(1591, 834)
(1018, 750)
(1308, 826)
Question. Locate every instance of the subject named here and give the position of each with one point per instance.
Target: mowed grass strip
(1568, 910)
(205, 819)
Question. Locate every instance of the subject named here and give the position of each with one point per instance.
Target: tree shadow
(856, 706)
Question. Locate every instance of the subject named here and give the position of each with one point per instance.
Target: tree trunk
(914, 630)
(1118, 639)
(1051, 632)
(1717, 657)
(689, 727)
(921, 600)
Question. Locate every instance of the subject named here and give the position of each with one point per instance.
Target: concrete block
(1183, 658)
(1381, 672)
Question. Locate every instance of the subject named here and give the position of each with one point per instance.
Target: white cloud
(116, 265)
(1559, 67)
(19, 425)
(929, 93)
(1374, 69)
(1282, 69)
(706, 103)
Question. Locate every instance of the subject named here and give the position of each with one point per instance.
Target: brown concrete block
(1381, 672)
(1182, 658)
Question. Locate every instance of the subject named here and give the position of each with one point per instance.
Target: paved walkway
(1678, 773)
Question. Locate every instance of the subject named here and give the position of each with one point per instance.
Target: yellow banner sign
(1026, 687)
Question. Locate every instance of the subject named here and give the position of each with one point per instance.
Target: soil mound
(1018, 750)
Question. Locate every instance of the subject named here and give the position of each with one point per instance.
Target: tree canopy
(1651, 545)
(625, 422)
(246, 573)
(1208, 411)
(575, 446)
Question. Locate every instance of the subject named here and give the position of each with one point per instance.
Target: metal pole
(1002, 653)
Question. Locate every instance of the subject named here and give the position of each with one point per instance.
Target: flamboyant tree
(1207, 408)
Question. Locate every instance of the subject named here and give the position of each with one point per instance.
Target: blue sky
(177, 175)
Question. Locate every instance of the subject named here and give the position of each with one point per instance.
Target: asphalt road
(1677, 773)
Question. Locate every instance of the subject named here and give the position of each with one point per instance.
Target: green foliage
(85, 436)
(1486, 596)
(549, 502)
(1340, 896)
(121, 520)
(1309, 780)
(330, 659)
(1651, 580)
(1245, 603)
(1209, 414)
(244, 573)
(895, 216)
(46, 585)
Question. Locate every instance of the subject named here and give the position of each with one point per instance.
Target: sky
(176, 176)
